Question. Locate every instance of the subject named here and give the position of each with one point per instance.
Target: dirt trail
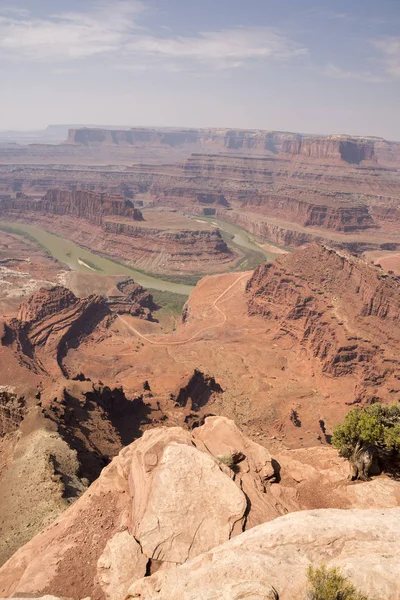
(194, 336)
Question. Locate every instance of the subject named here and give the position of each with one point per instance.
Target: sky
(327, 66)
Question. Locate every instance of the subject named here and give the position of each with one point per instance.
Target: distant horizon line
(184, 128)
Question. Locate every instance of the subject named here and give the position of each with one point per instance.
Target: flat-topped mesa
(259, 185)
(343, 148)
(230, 139)
(340, 310)
(130, 137)
(85, 204)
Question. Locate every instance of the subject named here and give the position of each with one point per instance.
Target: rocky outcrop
(350, 150)
(271, 560)
(253, 466)
(57, 441)
(230, 139)
(165, 500)
(133, 300)
(49, 323)
(196, 391)
(172, 495)
(111, 225)
(341, 311)
(12, 412)
(82, 204)
(53, 320)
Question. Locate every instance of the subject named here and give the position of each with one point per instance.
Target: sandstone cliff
(82, 204)
(344, 148)
(112, 226)
(349, 150)
(231, 139)
(49, 323)
(343, 312)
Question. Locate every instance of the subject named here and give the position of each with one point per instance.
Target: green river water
(79, 259)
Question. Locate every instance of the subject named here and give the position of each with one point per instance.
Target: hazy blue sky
(299, 65)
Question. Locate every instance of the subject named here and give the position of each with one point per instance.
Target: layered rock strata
(343, 313)
(53, 320)
(111, 225)
(48, 323)
(133, 300)
(82, 204)
(298, 188)
(231, 139)
(344, 148)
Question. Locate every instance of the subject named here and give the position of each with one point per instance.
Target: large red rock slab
(275, 556)
(162, 501)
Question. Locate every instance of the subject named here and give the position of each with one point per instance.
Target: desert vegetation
(329, 584)
(370, 435)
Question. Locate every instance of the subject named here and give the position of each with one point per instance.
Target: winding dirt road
(194, 336)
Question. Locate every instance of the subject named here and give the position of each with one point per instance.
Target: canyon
(113, 226)
(155, 444)
(283, 352)
(289, 189)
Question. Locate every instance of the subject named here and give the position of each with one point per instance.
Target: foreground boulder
(275, 556)
(173, 495)
(164, 500)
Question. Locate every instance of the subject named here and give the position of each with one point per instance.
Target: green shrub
(330, 584)
(228, 460)
(377, 424)
(171, 302)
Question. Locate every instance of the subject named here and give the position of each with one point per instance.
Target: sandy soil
(24, 268)
(167, 219)
(244, 355)
(390, 261)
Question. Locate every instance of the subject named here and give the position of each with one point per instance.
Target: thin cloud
(390, 49)
(230, 48)
(335, 72)
(113, 30)
(67, 36)
(339, 16)
(14, 11)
